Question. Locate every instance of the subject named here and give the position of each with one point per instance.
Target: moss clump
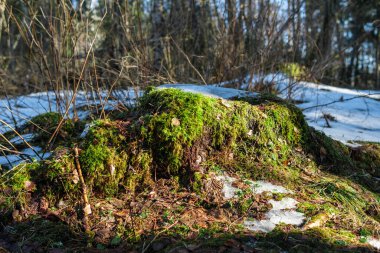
(367, 158)
(341, 192)
(110, 162)
(198, 183)
(295, 71)
(173, 121)
(187, 137)
(179, 127)
(44, 125)
(333, 154)
(15, 186)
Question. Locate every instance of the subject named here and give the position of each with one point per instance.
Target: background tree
(49, 45)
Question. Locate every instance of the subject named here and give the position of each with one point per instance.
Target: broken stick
(86, 204)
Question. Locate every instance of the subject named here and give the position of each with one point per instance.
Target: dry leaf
(29, 186)
(75, 177)
(87, 209)
(112, 170)
(317, 221)
(225, 103)
(175, 122)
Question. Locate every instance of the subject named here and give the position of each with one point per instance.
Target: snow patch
(282, 210)
(86, 129)
(285, 203)
(18, 110)
(25, 155)
(291, 217)
(209, 90)
(228, 190)
(18, 140)
(355, 112)
(374, 243)
(257, 187)
(273, 218)
(259, 225)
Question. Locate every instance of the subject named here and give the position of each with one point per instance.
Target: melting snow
(355, 112)
(260, 225)
(273, 218)
(210, 90)
(283, 216)
(24, 155)
(16, 111)
(86, 129)
(18, 140)
(257, 187)
(374, 243)
(228, 190)
(19, 109)
(285, 203)
(281, 212)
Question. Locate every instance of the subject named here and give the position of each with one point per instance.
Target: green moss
(334, 236)
(15, 185)
(367, 158)
(174, 120)
(198, 182)
(59, 178)
(295, 71)
(103, 160)
(45, 124)
(171, 131)
(176, 123)
(341, 192)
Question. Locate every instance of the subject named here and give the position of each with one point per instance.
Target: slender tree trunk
(157, 33)
(377, 67)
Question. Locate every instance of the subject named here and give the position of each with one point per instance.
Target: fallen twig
(86, 204)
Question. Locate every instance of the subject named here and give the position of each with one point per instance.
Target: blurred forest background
(95, 44)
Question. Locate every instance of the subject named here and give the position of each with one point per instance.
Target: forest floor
(175, 171)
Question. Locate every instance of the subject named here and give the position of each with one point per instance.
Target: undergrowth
(173, 142)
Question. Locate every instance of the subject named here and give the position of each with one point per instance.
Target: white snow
(228, 190)
(273, 218)
(374, 242)
(24, 155)
(283, 211)
(356, 112)
(86, 129)
(285, 203)
(16, 111)
(25, 137)
(259, 225)
(291, 217)
(257, 187)
(209, 90)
